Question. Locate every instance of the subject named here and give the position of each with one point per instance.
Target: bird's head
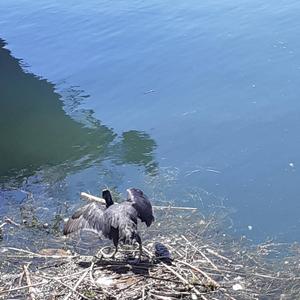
(106, 195)
(142, 205)
(133, 192)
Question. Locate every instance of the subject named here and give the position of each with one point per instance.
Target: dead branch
(23, 287)
(99, 200)
(77, 284)
(202, 254)
(28, 280)
(63, 284)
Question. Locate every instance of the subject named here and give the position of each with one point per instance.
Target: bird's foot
(135, 261)
(100, 254)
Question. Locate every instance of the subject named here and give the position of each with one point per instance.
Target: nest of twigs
(206, 264)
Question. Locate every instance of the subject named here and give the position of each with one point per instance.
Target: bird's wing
(112, 216)
(142, 205)
(88, 217)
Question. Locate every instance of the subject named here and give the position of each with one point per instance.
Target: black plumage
(163, 253)
(89, 216)
(120, 225)
(142, 205)
(117, 222)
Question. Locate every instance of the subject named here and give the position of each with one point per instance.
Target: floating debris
(149, 92)
(55, 252)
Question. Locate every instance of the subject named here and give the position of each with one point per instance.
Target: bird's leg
(115, 240)
(139, 241)
(140, 251)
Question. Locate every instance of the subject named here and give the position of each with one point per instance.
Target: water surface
(195, 102)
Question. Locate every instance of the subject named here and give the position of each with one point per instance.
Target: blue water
(198, 102)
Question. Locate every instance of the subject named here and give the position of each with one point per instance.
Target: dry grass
(207, 264)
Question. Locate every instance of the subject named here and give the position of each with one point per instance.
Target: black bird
(163, 253)
(117, 222)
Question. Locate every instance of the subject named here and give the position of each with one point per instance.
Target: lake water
(195, 102)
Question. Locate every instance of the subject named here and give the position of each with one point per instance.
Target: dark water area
(39, 137)
(193, 102)
(36, 132)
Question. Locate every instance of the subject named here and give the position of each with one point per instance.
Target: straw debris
(205, 264)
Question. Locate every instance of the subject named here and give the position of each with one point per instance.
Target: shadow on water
(136, 148)
(36, 132)
(42, 147)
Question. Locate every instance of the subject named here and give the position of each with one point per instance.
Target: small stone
(105, 281)
(237, 287)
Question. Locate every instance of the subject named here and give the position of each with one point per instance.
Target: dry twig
(28, 280)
